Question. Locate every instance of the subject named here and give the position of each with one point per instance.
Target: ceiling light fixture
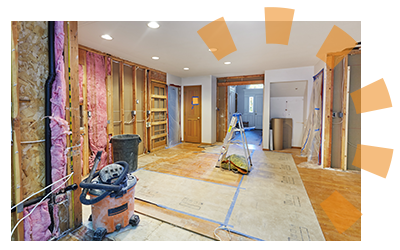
(153, 25)
(106, 37)
(212, 49)
(227, 63)
(155, 57)
(185, 68)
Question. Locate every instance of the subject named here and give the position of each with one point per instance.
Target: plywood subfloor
(320, 184)
(270, 203)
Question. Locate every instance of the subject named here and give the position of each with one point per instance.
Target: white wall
(208, 104)
(172, 79)
(290, 107)
(283, 75)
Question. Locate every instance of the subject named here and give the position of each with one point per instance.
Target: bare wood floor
(320, 184)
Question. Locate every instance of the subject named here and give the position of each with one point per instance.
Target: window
(251, 104)
(255, 86)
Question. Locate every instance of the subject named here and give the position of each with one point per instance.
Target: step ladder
(236, 119)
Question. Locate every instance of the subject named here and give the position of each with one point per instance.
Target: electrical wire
(41, 190)
(40, 202)
(222, 227)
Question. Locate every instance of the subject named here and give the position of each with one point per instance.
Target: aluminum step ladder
(236, 119)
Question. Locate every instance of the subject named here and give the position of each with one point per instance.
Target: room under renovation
(185, 131)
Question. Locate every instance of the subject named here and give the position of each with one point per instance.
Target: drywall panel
(221, 113)
(213, 109)
(172, 79)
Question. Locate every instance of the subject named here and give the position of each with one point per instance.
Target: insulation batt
(58, 125)
(97, 106)
(36, 225)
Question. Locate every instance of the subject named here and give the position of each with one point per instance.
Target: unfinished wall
(32, 74)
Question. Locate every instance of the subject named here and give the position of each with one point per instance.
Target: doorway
(174, 115)
(192, 113)
(287, 101)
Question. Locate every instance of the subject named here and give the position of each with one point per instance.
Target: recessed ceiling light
(212, 49)
(153, 25)
(185, 68)
(106, 37)
(155, 57)
(227, 62)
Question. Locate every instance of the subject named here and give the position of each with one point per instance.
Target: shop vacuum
(112, 196)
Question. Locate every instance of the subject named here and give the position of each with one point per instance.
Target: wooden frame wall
(333, 59)
(71, 62)
(146, 140)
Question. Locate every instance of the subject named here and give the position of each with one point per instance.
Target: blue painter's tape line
(228, 215)
(316, 108)
(243, 234)
(190, 178)
(316, 130)
(193, 215)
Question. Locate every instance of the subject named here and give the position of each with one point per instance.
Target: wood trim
(159, 110)
(148, 102)
(220, 84)
(173, 85)
(240, 77)
(145, 146)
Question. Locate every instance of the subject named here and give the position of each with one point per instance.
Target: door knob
(198, 118)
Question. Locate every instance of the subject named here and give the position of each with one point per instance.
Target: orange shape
(371, 97)
(278, 24)
(336, 41)
(373, 159)
(216, 35)
(340, 211)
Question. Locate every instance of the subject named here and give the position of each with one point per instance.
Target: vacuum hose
(115, 187)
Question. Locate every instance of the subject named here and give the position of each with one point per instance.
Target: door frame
(184, 109)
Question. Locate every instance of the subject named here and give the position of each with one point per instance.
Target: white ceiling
(178, 45)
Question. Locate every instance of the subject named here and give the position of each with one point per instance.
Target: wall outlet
(148, 124)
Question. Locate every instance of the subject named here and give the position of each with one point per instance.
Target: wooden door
(192, 115)
(158, 117)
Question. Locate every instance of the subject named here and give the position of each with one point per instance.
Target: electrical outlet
(148, 124)
(148, 112)
(133, 113)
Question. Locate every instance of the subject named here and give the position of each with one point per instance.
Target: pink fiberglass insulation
(80, 83)
(36, 225)
(58, 125)
(97, 106)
